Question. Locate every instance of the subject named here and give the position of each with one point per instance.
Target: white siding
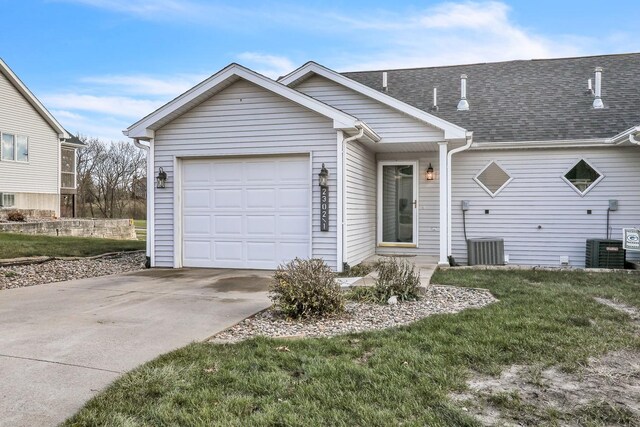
(360, 167)
(428, 206)
(40, 174)
(537, 196)
(392, 125)
(243, 120)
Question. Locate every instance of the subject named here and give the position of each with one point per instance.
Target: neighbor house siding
(538, 214)
(360, 170)
(40, 174)
(392, 125)
(428, 206)
(246, 120)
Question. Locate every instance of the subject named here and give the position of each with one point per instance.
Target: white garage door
(245, 212)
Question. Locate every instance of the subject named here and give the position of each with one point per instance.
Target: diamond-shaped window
(493, 179)
(582, 177)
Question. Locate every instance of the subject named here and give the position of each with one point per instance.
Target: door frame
(416, 193)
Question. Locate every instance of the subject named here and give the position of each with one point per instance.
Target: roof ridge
(565, 58)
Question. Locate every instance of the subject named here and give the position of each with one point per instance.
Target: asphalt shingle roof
(536, 100)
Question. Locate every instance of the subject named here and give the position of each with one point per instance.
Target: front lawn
(400, 376)
(22, 245)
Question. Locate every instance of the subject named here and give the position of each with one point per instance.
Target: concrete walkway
(61, 343)
(426, 266)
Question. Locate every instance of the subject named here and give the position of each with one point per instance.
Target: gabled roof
(31, 98)
(518, 101)
(143, 129)
(451, 131)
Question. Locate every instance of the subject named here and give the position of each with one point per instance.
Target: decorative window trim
(484, 187)
(593, 184)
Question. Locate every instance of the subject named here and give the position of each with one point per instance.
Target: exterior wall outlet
(564, 260)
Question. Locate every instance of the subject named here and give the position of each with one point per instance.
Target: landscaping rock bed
(61, 270)
(359, 316)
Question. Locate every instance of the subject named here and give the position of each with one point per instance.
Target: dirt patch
(605, 392)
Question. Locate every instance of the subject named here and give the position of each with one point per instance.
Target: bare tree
(108, 174)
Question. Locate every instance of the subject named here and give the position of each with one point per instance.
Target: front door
(397, 203)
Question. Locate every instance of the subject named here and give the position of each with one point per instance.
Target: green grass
(399, 376)
(21, 245)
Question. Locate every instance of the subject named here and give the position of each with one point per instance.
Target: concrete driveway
(62, 343)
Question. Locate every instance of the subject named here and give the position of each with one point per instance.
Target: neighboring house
(532, 150)
(37, 155)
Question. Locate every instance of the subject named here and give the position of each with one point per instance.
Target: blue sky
(100, 65)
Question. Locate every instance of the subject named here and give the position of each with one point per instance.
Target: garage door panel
(228, 251)
(228, 172)
(261, 251)
(246, 213)
(224, 199)
(294, 225)
(293, 198)
(294, 172)
(227, 225)
(197, 224)
(262, 198)
(196, 199)
(261, 225)
(199, 173)
(197, 250)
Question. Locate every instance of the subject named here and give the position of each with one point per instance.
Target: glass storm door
(397, 203)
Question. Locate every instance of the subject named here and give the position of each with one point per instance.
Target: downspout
(343, 202)
(469, 137)
(150, 198)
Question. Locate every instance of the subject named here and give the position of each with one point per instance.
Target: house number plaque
(324, 208)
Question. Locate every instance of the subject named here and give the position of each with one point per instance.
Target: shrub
(305, 288)
(399, 278)
(15, 216)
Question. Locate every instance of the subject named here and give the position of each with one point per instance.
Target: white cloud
(272, 66)
(113, 105)
(147, 85)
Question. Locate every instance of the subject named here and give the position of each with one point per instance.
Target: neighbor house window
(493, 178)
(15, 147)
(68, 168)
(582, 177)
(22, 148)
(7, 200)
(8, 146)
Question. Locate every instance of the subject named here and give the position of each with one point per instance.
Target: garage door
(245, 212)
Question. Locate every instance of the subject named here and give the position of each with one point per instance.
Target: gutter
(635, 134)
(150, 199)
(469, 137)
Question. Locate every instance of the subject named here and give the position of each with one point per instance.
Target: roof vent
(597, 102)
(463, 105)
(589, 87)
(435, 99)
(385, 87)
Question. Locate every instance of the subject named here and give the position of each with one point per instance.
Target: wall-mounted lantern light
(323, 177)
(161, 178)
(429, 174)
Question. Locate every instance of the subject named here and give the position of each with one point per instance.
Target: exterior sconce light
(429, 174)
(161, 178)
(323, 177)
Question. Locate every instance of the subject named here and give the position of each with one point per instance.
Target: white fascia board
(141, 128)
(31, 98)
(451, 131)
